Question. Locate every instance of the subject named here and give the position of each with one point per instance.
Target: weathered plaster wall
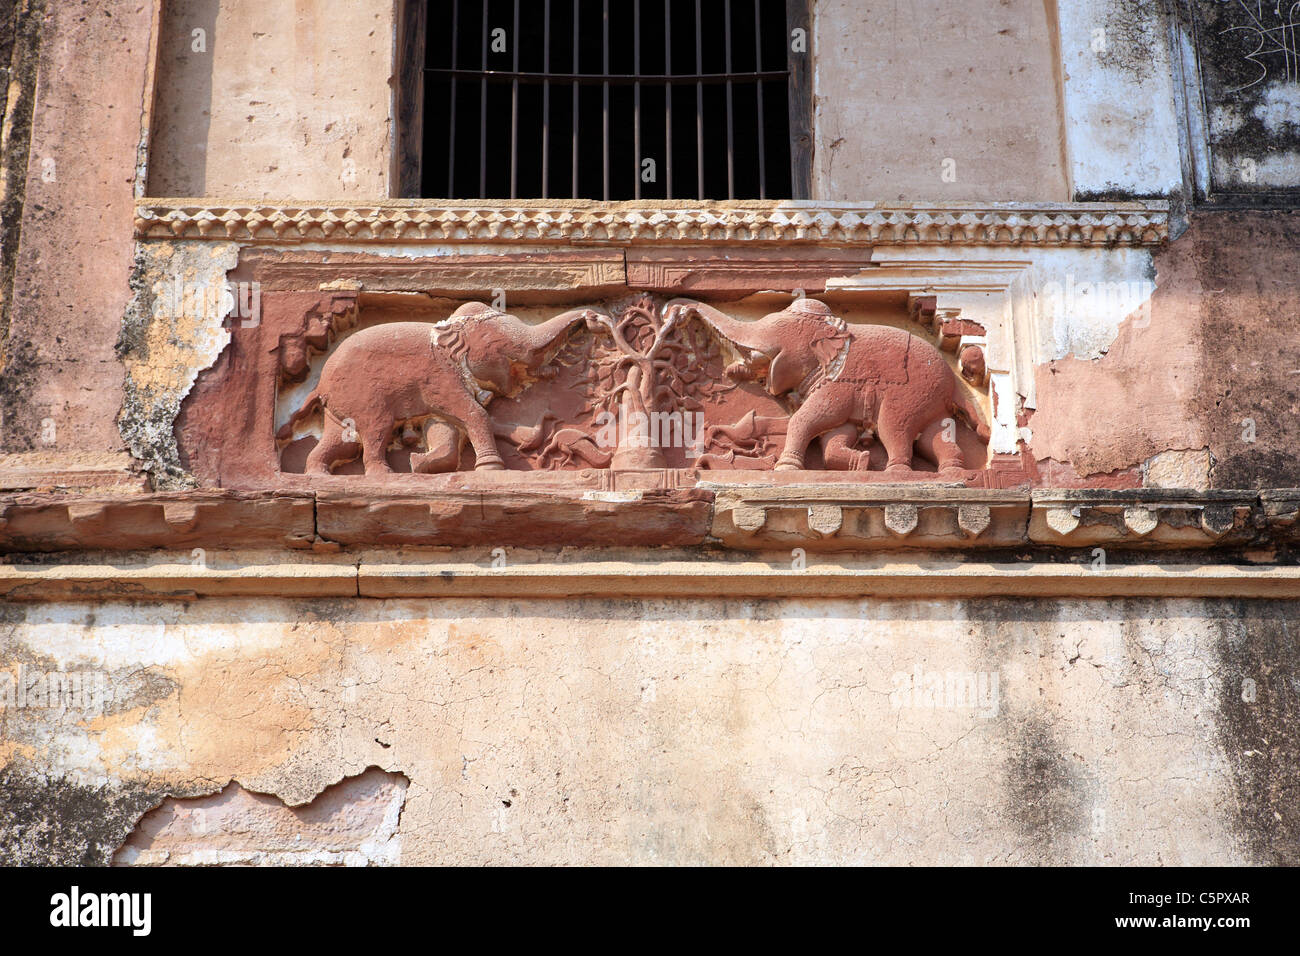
(1248, 266)
(902, 87)
(1249, 81)
(1121, 115)
(173, 330)
(353, 823)
(1213, 366)
(287, 99)
(61, 380)
(672, 731)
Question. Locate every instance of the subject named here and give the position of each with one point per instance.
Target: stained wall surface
(672, 731)
(73, 263)
(241, 102)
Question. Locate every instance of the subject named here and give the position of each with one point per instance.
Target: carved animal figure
(870, 377)
(404, 370)
(570, 444)
(748, 435)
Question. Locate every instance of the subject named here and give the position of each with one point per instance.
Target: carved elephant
(400, 371)
(869, 377)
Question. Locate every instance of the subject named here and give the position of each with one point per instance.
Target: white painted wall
(1121, 119)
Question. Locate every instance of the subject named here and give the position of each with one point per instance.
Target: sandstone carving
(660, 367)
(642, 388)
(848, 383)
(402, 373)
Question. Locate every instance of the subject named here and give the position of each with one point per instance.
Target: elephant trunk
(538, 340)
(749, 336)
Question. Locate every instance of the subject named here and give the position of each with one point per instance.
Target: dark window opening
(614, 99)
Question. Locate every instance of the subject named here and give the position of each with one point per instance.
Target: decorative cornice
(427, 221)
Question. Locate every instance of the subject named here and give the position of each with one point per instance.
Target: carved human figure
(402, 371)
(846, 382)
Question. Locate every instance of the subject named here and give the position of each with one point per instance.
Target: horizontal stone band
(162, 577)
(412, 221)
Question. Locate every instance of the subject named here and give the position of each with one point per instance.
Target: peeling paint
(172, 331)
(355, 822)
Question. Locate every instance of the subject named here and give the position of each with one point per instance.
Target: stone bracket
(177, 520)
(853, 517)
(1144, 518)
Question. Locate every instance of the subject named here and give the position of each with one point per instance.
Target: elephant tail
(963, 406)
(309, 406)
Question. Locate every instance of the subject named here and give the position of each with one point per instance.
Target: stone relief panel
(639, 384)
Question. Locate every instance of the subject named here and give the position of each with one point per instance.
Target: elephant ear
(827, 346)
(776, 373)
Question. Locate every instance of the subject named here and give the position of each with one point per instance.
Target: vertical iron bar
(574, 193)
(762, 118)
(668, 99)
(514, 111)
(482, 113)
(636, 98)
(605, 89)
(699, 101)
(546, 99)
(451, 131)
(731, 156)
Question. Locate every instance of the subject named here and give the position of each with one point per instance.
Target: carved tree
(660, 364)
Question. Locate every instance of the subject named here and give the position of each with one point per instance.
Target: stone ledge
(49, 471)
(675, 574)
(210, 519)
(745, 517)
(642, 518)
(424, 221)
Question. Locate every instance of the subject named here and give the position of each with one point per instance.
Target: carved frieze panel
(421, 372)
(641, 384)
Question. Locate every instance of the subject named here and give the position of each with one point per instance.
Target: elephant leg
(815, 416)
(330, 449)
(897, 432)
(838, 451)
(374, 447)
(478, 423)
(934, 446)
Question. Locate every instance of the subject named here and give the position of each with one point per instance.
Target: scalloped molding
(1141, 224)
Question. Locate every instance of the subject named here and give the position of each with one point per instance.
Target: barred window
(615, 99)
